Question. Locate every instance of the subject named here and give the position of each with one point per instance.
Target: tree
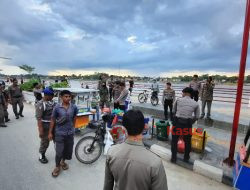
(27, 68)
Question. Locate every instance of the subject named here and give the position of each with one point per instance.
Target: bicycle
(89, 148)
(143, 98)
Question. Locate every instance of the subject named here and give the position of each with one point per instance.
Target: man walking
(168, 98)
(131, 86)
(155, 88)
(207, 97)
(16, 98)
(123, 96)
(2, 107)
(44, 110)
(195, 85)
(183, 109)
(130, 165)
(104, 95)
(63, 121)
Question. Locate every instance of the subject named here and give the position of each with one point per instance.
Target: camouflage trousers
(44, 144)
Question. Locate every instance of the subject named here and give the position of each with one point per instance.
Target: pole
(230, 159)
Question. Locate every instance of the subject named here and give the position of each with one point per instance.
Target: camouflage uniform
(207, 98)
(43, 112)
(16, 97)
(104, 97)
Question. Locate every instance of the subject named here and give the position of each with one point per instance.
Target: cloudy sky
(136, 37)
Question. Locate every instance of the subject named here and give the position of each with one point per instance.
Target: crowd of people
(141, 167)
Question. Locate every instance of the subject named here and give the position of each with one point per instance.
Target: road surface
(21, 170)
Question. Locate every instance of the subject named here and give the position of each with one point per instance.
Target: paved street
(20, 169)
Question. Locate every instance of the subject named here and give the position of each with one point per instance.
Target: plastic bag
(108, 142)
(181, 145)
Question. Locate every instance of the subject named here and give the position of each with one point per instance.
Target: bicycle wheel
(83, 152)
(141, 98)
(154, 100)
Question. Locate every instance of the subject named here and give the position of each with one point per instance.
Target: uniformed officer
(104, 95)
(184, 108)
(6, 96)
(44, 110)
(16, 98)
(2, 106)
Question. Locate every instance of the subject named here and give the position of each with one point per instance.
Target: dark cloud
(168, 35)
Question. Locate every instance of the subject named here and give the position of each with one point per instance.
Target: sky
(125, 37)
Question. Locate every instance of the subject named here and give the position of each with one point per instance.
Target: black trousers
(181, 128)
(116, 105)
(64, 147)
(110, 94)
(168, 104)
(195, 95)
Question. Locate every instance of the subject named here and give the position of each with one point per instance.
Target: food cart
(83, 99)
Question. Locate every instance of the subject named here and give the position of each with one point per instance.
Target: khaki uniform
(44, 111)
(6, 97)
(2, 106)
(16, 97)
(207, 98)
(130, 166)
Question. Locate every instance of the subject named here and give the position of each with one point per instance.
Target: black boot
(7, 119)
(21, 115)
(43, 159)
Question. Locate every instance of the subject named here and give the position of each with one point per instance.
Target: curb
(197, 166)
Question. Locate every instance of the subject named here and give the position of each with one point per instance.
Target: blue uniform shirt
(68, 127)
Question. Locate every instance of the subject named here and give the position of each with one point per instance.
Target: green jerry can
(162, 130)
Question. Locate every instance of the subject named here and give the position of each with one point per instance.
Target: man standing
(168, 98)
(63, 120)
(130, 165)
(16, 98)
(2, 107)
(116, 94)
(6, 98)
(183, 109)
(123, 96)
(44, 110)
(195, 85)
(155, 88)
(131, 86)
(207, 97)
(104, 95)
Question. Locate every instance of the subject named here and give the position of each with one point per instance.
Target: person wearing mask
(207, 97)
(104, 96)
(195, 85)
(130, 165)
(37, 92)
(131, 86)
(168, 99)
(116, 93)
(44, 110)
(16, 98)
(63, 121)
(123, 96)
(155, 88)
(184, 108)
(7, 99)
(2, 107)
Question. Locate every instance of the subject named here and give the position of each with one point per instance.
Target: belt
(45, 121)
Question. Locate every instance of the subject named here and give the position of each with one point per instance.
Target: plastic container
(162, 129)
(197, 141)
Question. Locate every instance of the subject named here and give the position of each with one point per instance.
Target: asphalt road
(21, 170)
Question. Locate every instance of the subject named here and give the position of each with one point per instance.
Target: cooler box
(162, 130)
